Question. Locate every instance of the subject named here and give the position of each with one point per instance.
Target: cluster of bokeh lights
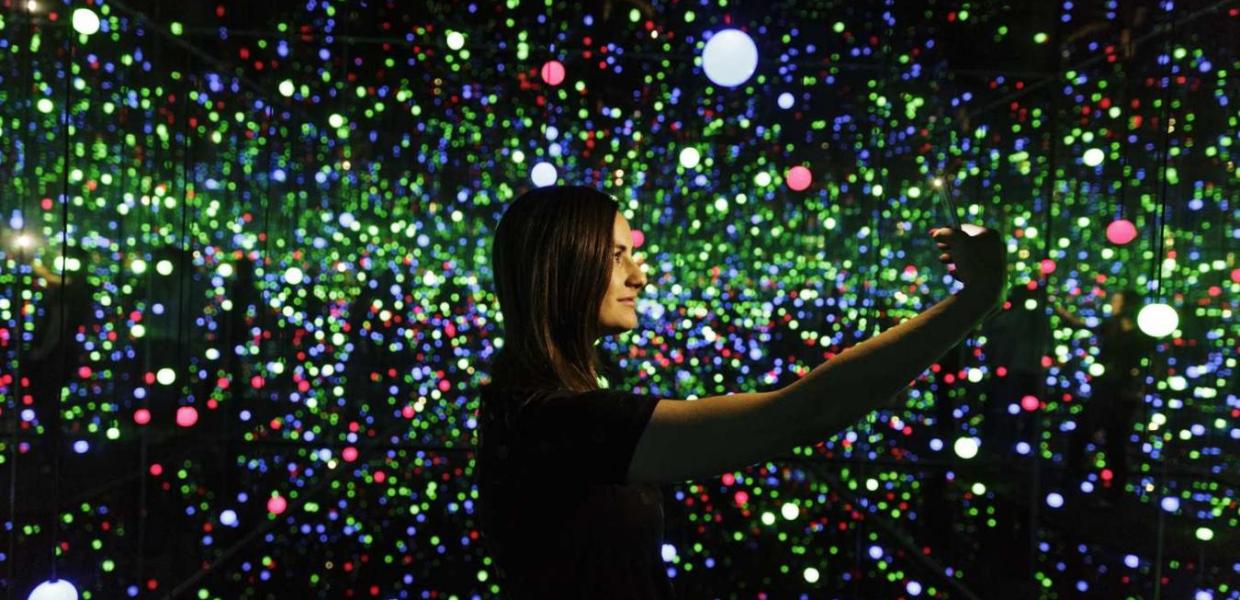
(335, 173)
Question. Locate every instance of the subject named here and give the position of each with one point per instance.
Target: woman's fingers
(945, 257)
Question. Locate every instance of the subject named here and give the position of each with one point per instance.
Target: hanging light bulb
(54, 589)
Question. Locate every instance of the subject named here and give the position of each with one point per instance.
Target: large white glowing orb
(730, 57)
(543, 174)
(1158, 320)
(58, 589)
(86, 22)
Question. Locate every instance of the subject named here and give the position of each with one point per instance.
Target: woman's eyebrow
(622, 247)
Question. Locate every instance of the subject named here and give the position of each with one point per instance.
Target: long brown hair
(550, 261)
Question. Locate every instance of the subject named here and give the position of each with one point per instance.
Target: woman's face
(618, 312)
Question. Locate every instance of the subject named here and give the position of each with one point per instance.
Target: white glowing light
(56, 589)
(543, 174)
(166, 376)
(689, 158)
(966, 447)
(1158, 320)
(730, 57)
(1093, 157)
(790, 511)
(294, 276)
(668, 552)
(85, 21)
(456, 41)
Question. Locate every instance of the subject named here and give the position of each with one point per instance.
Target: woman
(569, 472)
(1016, 341)
(55, 357)
(1116, 393)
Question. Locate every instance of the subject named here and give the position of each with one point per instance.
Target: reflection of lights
(24, 241)
(32, 6)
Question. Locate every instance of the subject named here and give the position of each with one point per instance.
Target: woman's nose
(639, 276)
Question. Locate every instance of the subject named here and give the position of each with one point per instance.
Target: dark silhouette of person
(1116, 394)
(172, 304)
(1016, 340)
(369, 354)
(54, 357)
(50, 365)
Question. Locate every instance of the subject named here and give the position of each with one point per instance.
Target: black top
(72, 299)
(557, 512)
(1120, 353)
(1018, 337)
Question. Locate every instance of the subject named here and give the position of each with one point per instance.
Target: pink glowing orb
(798, 178)
(1235, 275)
(276, 504)
(1029, 403)
(187, 416)
(639, 238)
(553, 72)
(1121, 231)
(1048, 266)
(142, 416)
(349, 454)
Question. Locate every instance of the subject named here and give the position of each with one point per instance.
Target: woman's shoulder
(497, 391)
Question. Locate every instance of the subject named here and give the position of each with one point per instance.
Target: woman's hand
(979, 260)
